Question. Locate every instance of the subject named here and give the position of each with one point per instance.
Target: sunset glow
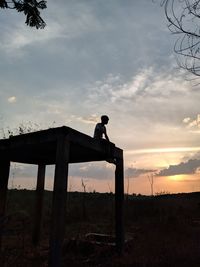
(177, 178)
(163, 150)
(88, 62)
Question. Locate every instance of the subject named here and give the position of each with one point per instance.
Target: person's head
(104, 119)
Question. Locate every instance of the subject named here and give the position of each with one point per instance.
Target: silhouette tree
(151, 181)
(184, 21)
(30, 8)
(84, 199)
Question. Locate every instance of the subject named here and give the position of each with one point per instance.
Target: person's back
(99, 131)
(100, 128)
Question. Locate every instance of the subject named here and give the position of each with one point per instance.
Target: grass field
(160, 231)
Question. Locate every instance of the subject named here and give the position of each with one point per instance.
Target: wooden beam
(59, 201)
(39, 204)
(4, 176)
(119, 204)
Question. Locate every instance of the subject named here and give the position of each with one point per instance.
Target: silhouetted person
(100, 128)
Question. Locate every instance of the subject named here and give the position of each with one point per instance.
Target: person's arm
(106, 136)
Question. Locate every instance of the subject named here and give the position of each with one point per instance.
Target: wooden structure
(59, 146)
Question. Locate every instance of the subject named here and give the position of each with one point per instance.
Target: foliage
(184, 21)
(30, 8)
(3, 4)
(23, 128)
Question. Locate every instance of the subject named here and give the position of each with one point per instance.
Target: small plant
(151, 182)
(23, 128)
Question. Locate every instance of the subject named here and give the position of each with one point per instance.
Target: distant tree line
(30, 8)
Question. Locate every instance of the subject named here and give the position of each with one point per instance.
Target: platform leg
(119, 204)
(39, 204)
(59, 202)
(4, 176)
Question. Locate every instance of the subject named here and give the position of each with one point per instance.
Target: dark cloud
(191, 155)
(188, 167)
(103, 171)
(100, 170)
(19, 170)
(133, 172)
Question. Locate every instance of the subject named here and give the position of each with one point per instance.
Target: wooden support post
(59, 202)
(4, 176)
(39, 204)
(119, 203)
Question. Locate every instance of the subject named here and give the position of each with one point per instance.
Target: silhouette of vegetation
(184, 21)
(151, 182)
(30, 8)
(23, 128)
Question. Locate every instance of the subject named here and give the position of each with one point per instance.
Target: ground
(161, 231)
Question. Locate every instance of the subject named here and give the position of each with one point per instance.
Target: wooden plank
(119, 204)
(59, 201)
(99, 146)
(39, 204)
(39, 147)
(4, 176)
(32, 138)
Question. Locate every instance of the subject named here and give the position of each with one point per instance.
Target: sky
(103, 57)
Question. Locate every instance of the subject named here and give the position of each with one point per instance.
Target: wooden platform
(40, 147)
(59, 146)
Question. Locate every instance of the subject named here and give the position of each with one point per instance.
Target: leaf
(30, 9)
(33, 20)
(18, 6)
(3, 4)
(42, 4)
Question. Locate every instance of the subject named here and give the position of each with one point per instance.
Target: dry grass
(161, 231)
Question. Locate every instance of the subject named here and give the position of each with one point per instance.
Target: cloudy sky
(103, 57)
